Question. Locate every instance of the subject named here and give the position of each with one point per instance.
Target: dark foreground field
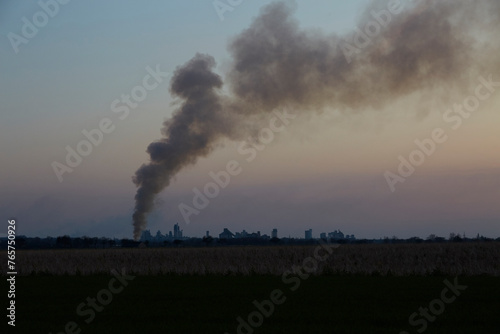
(212, 304)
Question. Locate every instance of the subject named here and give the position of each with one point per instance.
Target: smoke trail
(189, 134)
(430, 45)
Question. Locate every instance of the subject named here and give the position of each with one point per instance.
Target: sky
(325, 171)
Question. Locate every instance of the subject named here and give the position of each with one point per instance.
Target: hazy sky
(324, 172)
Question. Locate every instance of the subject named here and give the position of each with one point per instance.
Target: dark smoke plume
(189, 134)
(431, 46)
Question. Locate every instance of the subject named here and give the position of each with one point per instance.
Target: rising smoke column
(428, 46)
(189, 134)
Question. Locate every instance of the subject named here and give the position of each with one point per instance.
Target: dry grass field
(456, 259)
(356, 289)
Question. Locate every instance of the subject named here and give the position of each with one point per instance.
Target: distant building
(274, 234)
(177, 232)
(308, 234)
(245, 234)
(146, 236)
(242, 234)
(207, 234)
(322, 235)
(226, 234)
(336, 235)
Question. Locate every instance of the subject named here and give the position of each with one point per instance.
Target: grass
(464, 259)
(356, 289)
(212, 303)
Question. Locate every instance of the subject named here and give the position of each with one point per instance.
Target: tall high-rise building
(146, 236)
(274, 234)
(177, 232)
(308, 234)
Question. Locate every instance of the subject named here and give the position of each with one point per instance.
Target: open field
(356, 289)
(211, 304)
(463, 259)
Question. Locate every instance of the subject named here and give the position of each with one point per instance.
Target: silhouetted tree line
(67, 242)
